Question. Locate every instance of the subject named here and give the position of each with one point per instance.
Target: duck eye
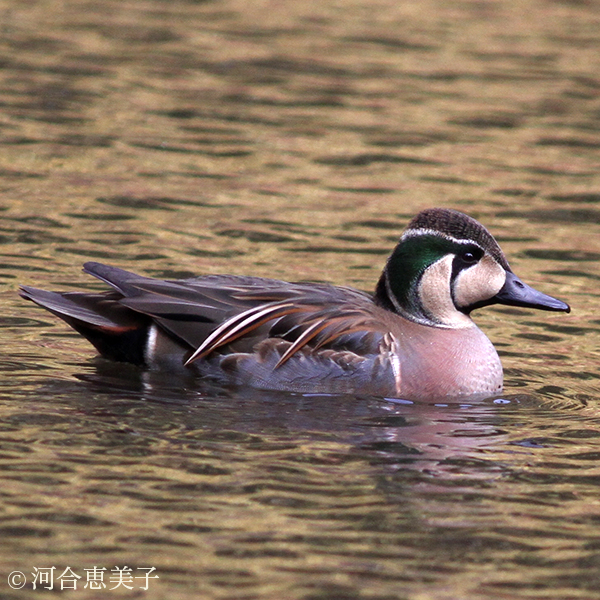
(471, 255)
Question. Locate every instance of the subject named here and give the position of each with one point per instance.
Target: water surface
(295, 140)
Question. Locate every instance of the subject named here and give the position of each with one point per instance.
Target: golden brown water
(295, 140)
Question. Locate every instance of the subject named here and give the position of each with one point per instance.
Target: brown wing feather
(241, 325)
(233, 314)
(310, 324)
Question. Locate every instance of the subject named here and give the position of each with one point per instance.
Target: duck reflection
(440, 439)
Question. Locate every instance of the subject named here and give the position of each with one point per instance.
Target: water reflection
(295, 485)
(294, 140)
(439, 444)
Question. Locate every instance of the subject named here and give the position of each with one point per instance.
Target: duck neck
(408, 307)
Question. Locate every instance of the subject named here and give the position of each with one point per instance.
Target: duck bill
(516, 293)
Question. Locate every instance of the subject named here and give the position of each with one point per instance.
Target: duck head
(447, 264)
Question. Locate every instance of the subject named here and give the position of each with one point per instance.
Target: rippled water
(295, 140)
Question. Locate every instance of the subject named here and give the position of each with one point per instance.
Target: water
(295, 140)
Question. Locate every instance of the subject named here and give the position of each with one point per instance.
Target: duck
(413, 338)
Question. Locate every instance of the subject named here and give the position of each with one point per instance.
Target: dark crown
(460, 227)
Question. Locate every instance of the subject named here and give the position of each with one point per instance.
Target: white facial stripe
(440, 296)
(416, 232)
(459, 241)
(479, 282)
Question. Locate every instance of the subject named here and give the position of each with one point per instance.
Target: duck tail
(117, 332)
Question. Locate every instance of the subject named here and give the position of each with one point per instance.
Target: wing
(220, 313)
(328, 371)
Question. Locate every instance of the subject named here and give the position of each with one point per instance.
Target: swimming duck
(413, 338)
